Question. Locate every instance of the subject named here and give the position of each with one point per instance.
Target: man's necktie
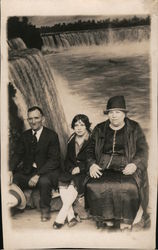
(34, 144)
(34, 139)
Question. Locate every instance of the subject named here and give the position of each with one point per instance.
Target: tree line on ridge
(31, 35)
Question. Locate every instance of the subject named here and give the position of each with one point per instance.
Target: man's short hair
(35, 108)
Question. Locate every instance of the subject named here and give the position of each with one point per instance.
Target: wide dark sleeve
(141, 156)
(68, 163)
(71, 161)
(18, 154)
(53, 155)
(82, 166)
(91, 149)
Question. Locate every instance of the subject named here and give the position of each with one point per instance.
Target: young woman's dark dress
(75, 157)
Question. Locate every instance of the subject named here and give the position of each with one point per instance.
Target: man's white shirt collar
(38, 133)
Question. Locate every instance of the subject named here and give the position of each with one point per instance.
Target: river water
(87, 76)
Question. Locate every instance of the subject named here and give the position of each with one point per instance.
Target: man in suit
(39, 152)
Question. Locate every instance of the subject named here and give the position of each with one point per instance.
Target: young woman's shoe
(57, 225)
(72, 222)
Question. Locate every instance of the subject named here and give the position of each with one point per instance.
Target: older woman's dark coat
(71, 161)
(136, 150)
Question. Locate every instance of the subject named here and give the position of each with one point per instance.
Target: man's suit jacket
(46, 157)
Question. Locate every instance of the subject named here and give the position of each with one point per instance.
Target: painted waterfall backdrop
(31, 76)
(90, 66)
(77, 72)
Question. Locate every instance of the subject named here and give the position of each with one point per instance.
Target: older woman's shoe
(57, 225)
(109, 223)
(125, 227)
(144, 223)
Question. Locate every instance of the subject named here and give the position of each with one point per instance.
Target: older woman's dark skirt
(113, 196)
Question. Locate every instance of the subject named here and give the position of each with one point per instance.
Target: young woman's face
(116, 117)
(80, 128)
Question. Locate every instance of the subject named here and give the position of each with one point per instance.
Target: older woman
(117, 161)
(71, 181)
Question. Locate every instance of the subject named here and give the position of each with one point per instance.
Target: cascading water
(16, 43)
(94, 37)
(31, 76)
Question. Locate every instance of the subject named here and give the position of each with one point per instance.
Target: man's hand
(10, 173)
(76, 170)
(129, 169)
(95, 171)
(33, 181)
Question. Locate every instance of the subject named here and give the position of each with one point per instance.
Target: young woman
(71, 181)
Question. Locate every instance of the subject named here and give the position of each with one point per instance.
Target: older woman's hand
(95, 171)
(129, 169)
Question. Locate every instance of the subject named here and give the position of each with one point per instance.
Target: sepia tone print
(75, 66)
(63, 66)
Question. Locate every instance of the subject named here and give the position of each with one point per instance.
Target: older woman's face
(80, 128)
(116, 117)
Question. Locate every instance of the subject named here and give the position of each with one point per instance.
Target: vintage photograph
(80, 119)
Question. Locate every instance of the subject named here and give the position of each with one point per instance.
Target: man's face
(35, 119)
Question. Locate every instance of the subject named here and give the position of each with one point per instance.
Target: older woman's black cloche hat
(116, 102)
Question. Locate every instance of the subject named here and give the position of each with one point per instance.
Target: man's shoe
(28, 207)
(99, 224)
(14, 211)
(45, 215)
(72, 222)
